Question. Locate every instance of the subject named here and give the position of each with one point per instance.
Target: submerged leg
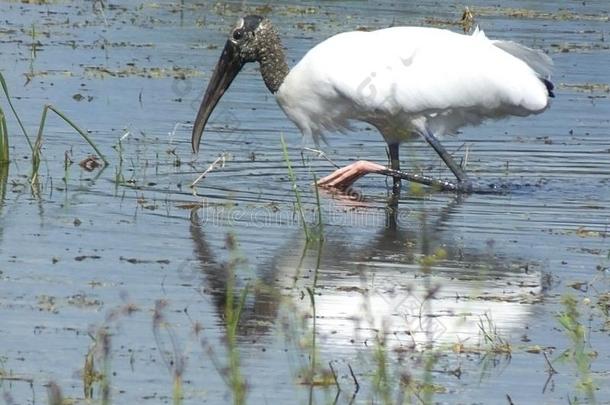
(442, 152)
(395, 165)
(343, 178)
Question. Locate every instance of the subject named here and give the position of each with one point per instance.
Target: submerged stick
(323, 155)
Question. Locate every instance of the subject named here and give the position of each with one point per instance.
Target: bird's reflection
(407, 277)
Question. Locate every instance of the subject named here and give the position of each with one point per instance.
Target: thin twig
(322, 155)
(16, 378)
(172, 134)
(219, 162)
(550, 369)
(464, 161)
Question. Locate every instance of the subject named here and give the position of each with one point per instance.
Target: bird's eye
(238, 34)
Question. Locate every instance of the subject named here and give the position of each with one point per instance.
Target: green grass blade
(293, 180)
(319, 206)
(80, 131)
(4, 155)
(10, 103)
(38, 142)
(3, 181)
(37, 146)
(312, 299)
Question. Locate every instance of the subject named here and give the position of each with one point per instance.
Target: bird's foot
(466, 186)
(474, 187)
(344, 177)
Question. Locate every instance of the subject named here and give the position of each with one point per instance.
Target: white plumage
(403, 79)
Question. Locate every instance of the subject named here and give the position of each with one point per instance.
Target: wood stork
(404, 81)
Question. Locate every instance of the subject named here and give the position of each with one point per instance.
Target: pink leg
(346, 176)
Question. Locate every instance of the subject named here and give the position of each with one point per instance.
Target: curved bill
(227, 68)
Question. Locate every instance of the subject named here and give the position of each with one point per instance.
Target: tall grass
(4, 155)
(295, 189)
(578, 353)
(97, 369)
(10, 103)
(233, 311)
(37, 145)
(174, 358)
(320, 230)
(3, 181)
(38, 142)
(317, 233)
(234, 303)
(4, 144)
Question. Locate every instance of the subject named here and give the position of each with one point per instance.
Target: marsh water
(449, 299)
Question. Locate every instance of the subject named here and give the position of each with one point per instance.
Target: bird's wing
(430, 72)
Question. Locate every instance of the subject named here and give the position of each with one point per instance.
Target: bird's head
(244, 45)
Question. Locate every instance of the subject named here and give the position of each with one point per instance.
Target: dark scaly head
(253, 39)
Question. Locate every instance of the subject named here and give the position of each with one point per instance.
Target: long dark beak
(227, 68)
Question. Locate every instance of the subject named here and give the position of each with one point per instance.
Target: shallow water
(409, 289)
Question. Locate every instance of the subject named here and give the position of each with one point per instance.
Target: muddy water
(414, 292)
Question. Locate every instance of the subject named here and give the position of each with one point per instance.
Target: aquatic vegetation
(100, 349)
(578, 352)
(493, 341)
(526, 13)
(236, 381)
(315, 233)
(36, 147)
(381, 377)
(38, 142)
(295, 188)
(119, 178)
(312, 378)
(234, 303)
(173, 358)
(4, 143)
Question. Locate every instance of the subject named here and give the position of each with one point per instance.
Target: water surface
(414, 290)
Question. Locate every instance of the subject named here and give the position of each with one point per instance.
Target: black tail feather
(549, 87)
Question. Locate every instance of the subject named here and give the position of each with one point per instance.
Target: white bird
(404, 81)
